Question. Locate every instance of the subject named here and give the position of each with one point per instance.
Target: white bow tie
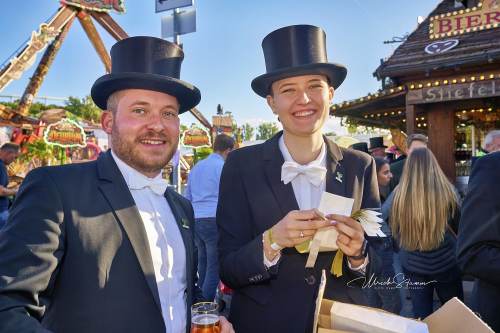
(157, 185)
(314, 173)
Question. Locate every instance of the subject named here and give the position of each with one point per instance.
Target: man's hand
(225, 326)
(297, 227)
(351, 237)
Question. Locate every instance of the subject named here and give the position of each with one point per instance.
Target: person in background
(8, 153)
(478, 250)
(203, 191)
(384, 176)
(377, 147)
(412, 141)
(492, 141)
(424, 218)
(384, 296)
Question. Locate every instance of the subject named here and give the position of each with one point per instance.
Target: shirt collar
(128, 172)
(320, 160)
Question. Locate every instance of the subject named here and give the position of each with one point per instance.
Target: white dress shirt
(307, 194)
(167, 249)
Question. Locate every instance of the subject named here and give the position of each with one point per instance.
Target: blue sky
(225, 54)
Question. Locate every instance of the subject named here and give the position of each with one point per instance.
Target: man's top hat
(146, 63)
(296, 50)
(377, 142)
(361, 146)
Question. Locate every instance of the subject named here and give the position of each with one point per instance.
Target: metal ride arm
(24, 58)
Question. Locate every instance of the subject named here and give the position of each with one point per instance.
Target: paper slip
(335, 204)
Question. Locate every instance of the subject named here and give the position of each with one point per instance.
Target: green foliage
(35, 108)
(266, 130)
(84, 108)
(247, 132)
(201, 153)
(42, 152)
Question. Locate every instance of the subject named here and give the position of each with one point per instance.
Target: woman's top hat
(377, 142)
(296, 50)
(361, 146)
(146, 63)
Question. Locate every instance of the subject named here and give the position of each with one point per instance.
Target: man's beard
(125, 151)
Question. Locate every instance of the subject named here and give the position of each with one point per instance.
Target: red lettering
(444, 26)
(473, 21)
(458, 22)
(493, 16)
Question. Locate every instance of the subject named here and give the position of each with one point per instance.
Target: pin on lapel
(185, 223)
(338, 176)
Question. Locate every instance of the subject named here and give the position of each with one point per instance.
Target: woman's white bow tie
(157, 185)
(314, 173)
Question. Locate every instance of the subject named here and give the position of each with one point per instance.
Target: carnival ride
(51, 35)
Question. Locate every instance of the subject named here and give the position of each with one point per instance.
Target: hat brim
(335, 73)
(187, 95)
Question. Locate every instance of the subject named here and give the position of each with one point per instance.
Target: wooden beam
(201, 118)
(95, 39)
(410, 118)
(42, 70)
(441, 132)
(110, 25)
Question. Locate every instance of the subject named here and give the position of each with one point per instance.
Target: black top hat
(296, 50)
(377, 142)
(361, 146)
(146, 63)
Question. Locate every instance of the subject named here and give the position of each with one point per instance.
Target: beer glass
(205, 318)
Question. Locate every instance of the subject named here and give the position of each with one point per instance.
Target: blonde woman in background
(424, 221)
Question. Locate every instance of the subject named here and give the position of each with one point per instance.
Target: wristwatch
(364, 251)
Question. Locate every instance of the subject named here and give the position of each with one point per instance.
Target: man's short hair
(223, 142)
(416, 137)
(488, 139)
(10, 147)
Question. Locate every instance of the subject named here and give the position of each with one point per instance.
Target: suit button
(310, 279)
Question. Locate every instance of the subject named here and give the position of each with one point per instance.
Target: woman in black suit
(269, 192)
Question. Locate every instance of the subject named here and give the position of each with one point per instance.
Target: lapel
(184, 226)
(273, 160)
(336, 180)
(115, 190)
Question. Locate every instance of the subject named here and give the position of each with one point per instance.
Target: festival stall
(443, 81)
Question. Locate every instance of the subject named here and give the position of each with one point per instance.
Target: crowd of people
(108, 246)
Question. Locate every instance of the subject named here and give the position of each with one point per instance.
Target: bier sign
(65, 133)
(486, 15)
(454, 92)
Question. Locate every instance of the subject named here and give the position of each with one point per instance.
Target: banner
(65, 133)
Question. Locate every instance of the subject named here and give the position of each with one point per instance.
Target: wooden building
(443, 81)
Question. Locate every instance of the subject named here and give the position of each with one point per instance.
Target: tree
(84, 108)
(247, 131)
(266, 130)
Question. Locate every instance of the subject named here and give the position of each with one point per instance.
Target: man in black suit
(104, 246)
(269, 192)
(478, 247)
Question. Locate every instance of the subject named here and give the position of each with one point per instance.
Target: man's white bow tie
(314, 173)
(157, 185)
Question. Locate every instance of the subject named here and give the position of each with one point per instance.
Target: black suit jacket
(252, 199)
(478, 248)
(74, 255)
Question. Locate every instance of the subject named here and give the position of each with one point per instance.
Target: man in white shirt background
(203, 192)
(105, 246)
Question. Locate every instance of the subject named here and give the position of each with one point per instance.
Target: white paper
(355, 318)
(335, 204)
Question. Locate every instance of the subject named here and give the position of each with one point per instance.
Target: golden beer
(205, 323)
